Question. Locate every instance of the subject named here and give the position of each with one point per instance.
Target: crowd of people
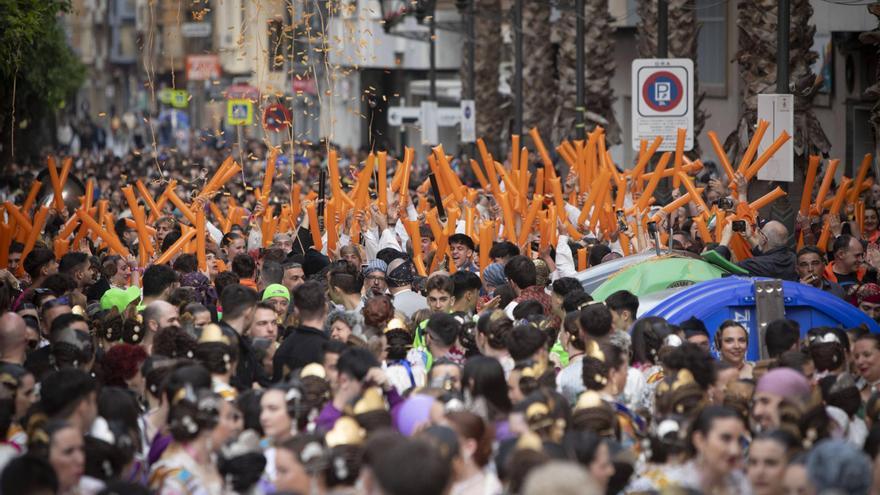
(282, 368)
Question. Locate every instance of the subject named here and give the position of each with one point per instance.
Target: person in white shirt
(399, 277)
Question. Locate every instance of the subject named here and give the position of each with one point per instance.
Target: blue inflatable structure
(733, 298)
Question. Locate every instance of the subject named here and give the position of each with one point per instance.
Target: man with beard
(239, 306)
(374, 278)
(78, 266)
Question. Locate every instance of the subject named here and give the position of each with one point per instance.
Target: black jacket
(249, 370)
(777, 263)
(302, 346)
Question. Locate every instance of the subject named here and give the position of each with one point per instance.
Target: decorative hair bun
(346, 431)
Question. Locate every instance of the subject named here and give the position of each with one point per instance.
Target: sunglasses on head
(58, 301)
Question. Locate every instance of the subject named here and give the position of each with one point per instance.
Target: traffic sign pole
(783, 210)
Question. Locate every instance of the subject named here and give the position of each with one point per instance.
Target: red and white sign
(663, 101)
(305, 85)
(276, 117)
(202, 67)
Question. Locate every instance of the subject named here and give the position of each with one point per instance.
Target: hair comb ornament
(681, 378)
(371, 400)
(588, 400)
(346, 431)
(248, 442)
(529, 441)
(313, 369)
(825, 338)
(395, 324)
(594, 351)
(211, 333)
(533, 369)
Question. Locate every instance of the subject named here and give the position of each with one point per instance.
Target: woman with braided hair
(241, 462)
(714, 457)
(493, 327)
(592, 413)
(605, 369)
(186, 466)
(569, 380)
(475, 437)
(649, 336)
(344, 456)
(219, 356)
(286, 410)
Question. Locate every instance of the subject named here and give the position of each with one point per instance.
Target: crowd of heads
(281, 368)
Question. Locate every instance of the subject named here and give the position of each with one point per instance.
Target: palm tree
(683, 33)
(599, 92)
(539, 83)
(756, 57)
(598, 71)
(564, 33)
(487, 53)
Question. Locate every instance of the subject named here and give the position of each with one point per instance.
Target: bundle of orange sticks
(531, 200)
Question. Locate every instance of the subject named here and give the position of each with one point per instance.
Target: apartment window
(126, 9)
(275, 49)
(712, 58)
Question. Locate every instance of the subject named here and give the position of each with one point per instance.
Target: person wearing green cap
(115, 297)
(278, 296)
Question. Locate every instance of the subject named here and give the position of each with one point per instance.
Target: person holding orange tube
(772, 256)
